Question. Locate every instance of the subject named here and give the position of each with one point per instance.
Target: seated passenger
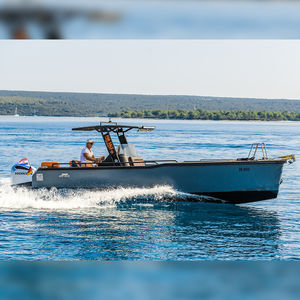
(87, 156)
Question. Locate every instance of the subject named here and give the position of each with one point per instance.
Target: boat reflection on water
(156, 230)
(222, 231)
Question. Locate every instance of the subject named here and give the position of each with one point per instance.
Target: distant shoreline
(97, 104)
(150, 118)
(201, 114)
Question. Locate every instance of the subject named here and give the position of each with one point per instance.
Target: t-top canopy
(111, 126)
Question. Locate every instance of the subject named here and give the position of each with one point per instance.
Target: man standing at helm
(87, 155)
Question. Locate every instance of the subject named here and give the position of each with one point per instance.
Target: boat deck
(160, 163)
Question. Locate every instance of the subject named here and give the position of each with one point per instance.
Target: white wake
(24, 198)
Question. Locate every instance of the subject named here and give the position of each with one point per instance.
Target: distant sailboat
(16, 112)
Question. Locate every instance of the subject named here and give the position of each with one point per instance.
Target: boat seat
(78, 164)
(136, 161)
(49, 164)
(75, 163)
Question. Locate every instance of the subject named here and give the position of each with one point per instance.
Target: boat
(16, 112)
(239, 180)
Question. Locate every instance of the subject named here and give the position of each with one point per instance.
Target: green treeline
(201, 114)
(94, 104)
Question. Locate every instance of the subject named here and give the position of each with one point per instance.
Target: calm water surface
(145, 224)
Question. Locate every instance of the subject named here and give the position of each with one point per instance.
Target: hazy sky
(237, 68)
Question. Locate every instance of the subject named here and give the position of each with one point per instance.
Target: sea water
(150, 223)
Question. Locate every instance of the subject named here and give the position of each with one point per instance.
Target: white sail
(16, 112)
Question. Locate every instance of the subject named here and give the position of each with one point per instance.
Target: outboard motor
(21, 173)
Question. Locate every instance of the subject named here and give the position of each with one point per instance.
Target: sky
(225, 68)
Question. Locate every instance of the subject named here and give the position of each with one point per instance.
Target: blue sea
(145, 224)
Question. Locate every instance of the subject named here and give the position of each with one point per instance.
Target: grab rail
(79, 164)
(255, 147)
(160, 161)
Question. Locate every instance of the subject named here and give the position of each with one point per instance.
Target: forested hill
(83, 104)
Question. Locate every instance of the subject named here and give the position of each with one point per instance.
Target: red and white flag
(24, 161)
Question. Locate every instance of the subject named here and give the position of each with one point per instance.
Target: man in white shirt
(87, 156)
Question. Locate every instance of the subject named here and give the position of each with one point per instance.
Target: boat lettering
(244, 169)
(64, 175)
(39, 177)
(109, 144)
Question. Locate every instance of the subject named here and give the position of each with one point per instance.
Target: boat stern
(21, 173)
